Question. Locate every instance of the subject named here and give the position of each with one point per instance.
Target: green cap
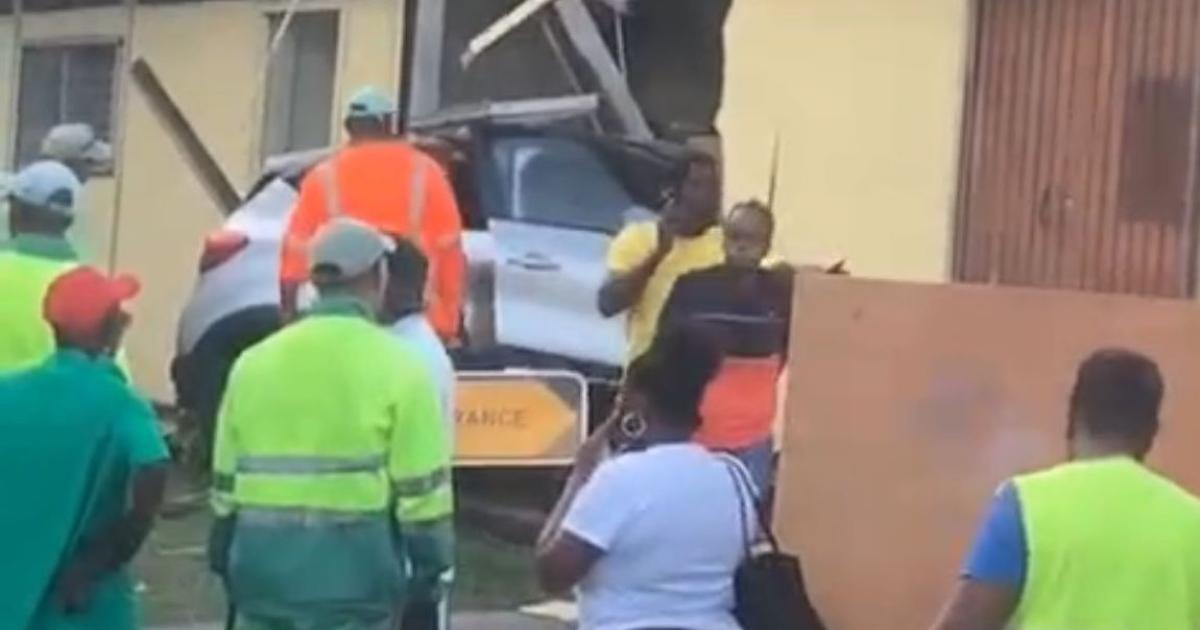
(370, 102)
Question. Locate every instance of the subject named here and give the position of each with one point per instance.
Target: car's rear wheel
(200, 375)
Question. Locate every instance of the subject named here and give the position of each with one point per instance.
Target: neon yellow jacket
(332, 467)
(1112, 546)
(28, 264)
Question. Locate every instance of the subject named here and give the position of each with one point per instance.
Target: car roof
(288, 164)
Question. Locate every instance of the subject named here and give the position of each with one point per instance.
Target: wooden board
(908, 404)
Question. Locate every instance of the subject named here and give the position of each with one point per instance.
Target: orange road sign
(519, 418)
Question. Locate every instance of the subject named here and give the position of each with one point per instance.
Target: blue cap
(48, 185)
(370, 102)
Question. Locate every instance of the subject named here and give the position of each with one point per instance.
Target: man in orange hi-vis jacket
(387, 183)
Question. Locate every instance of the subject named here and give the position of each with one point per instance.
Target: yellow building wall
(865, 99)
(151, 217)
(370, 46)
(8, 104)
(164, 213)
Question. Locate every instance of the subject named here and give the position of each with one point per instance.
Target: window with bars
(300, 81)
(61, 84)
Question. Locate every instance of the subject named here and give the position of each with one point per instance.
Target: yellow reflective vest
(1112, 546)
(28, 264)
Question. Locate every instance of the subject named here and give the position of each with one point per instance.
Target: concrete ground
(503, 621)
(461, 621)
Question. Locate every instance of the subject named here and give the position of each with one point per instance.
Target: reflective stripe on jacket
(400, 191)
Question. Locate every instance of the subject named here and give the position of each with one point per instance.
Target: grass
(492, 574)
(177, 588)
(172, 569)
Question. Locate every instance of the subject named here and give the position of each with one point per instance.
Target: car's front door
(563, 207)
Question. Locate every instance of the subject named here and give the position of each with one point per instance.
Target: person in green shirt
(42, 203)
(82, 468)
(331, 468)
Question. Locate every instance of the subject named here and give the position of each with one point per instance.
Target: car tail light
(219, 247)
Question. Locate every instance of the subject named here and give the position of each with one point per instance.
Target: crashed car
(540, 205)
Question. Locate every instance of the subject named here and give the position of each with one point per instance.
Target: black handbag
(769, 592)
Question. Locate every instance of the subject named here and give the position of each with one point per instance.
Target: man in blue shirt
(1101, 542)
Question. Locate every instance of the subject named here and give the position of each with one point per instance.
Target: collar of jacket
(341, 305)
(42, 246)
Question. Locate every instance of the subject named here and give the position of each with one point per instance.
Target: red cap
(78, 301)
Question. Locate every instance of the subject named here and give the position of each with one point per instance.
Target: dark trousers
(420, 616)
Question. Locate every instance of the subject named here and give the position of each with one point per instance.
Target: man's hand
(73, 588)
(622, 290)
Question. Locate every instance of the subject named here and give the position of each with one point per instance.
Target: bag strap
(740, 497)
(742, 479)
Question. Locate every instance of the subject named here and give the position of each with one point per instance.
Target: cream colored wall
(154, 207)
(164, 212)
(8, 105)
(8, 69)
(369, 39)
(865, 97)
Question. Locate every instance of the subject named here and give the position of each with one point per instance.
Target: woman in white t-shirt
(652, 537)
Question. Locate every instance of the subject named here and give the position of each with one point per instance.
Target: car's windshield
(558, 181)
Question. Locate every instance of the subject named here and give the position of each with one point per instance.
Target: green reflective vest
(1112, 546)
(332, 460)
(28, 264)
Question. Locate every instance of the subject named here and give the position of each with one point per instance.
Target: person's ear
(1146, 442)
(376, 288)
(115, 327)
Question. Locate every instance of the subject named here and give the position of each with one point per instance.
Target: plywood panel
(909, 404)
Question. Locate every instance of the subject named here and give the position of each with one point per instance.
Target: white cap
(76, 141)
(347, 248)
(48, 185)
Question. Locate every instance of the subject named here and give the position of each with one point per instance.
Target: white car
(539, 209)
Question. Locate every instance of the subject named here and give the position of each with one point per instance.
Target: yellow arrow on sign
(515, 417)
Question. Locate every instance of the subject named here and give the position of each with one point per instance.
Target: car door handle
(534, 263)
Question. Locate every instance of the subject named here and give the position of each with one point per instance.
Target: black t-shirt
(747, 310)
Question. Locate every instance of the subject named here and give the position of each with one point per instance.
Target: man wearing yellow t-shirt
(645, 259)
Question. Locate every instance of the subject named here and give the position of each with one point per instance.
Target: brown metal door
(1080, 144)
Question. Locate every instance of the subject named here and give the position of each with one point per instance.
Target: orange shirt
(738, 408)
(400, 191)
